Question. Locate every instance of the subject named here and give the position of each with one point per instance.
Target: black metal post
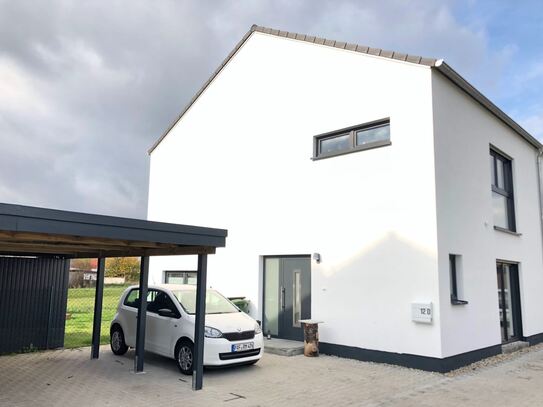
(198, 362)
(97, 319)
(142, 314)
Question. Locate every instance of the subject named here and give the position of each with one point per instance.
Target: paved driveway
(69, 378)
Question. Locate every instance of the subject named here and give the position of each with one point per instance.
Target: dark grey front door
(287, 295)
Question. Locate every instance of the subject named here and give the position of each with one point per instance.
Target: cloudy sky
(87, 86)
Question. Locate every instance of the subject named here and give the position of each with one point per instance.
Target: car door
(160, 329)
(128, 316)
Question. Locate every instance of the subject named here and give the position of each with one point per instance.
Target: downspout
(540, 187)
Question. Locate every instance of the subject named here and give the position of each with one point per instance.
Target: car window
(215, 302)
(132, 299)
(161, 301)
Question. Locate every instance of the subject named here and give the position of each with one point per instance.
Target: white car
(231, 336)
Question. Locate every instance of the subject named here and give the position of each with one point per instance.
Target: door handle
(282, 297)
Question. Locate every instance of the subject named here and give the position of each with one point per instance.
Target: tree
(127, 267)
(84, 264)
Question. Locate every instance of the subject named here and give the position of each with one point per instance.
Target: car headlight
(210, 332)
(258, 329)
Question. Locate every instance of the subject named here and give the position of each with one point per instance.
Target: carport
(41, 233)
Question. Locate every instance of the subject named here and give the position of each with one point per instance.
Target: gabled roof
(433, 63)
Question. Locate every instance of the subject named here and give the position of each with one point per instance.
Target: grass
(81, 310)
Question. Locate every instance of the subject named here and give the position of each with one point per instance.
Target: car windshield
(215, 302)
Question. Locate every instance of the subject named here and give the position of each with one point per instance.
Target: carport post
(198, 362)
(142, 314)
(98, 297)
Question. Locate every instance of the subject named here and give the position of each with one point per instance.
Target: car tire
(184, 356)
(116, 341)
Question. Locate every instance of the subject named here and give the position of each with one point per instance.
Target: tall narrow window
(454, 274)
(503, 207)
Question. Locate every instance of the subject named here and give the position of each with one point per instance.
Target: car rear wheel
(118, 345)
(184, 356)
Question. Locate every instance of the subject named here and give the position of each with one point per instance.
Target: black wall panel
(33, 294)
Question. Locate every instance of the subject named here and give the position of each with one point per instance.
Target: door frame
(516, 310)
(263, 296)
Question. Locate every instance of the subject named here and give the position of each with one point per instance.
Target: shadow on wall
(366, 299)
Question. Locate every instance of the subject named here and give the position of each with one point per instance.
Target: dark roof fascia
(19, 218)
(378, 52)
(463, 84)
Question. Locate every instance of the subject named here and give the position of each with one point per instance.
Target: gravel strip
(493, 361)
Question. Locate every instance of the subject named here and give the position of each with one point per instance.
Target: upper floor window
(351, 139)
(502, 191)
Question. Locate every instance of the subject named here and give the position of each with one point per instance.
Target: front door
(287, 295)
(509, 302)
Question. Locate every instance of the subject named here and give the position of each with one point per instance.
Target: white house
(356, 188)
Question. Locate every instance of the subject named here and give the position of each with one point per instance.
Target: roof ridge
(400, 56)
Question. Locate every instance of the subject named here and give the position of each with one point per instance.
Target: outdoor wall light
(317, 257)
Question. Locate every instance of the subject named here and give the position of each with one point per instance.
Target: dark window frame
(507, 191)
(351, 131)
(453, 258)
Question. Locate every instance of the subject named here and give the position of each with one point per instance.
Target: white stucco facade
(464, 131)
(383, 220)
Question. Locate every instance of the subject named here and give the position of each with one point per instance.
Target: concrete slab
(514, 346)
(283, 347)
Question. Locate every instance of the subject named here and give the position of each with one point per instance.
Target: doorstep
(514, 346)
(283, 347)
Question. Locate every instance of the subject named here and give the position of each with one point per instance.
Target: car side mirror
(165, 312)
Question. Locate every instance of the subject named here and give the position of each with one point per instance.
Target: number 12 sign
(422, 312)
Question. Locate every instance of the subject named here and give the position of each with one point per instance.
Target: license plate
(238, 347)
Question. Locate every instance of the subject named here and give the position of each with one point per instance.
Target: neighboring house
(376, 191)
(82, 273)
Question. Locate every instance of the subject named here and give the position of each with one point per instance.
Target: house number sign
(422, 312)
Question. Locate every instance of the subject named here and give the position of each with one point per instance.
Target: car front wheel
(184, 356)
(118, 345)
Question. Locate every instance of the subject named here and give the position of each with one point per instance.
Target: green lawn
(80, 312)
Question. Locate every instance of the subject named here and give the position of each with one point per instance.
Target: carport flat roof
(26, 230)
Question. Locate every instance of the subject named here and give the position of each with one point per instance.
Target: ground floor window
(180, 277)
(509, 301)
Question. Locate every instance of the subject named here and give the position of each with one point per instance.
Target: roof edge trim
(467, 87)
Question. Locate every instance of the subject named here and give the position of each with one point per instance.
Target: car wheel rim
(116, 340)
(185, 358)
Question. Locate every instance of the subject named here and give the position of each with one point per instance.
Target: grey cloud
(106, 78)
